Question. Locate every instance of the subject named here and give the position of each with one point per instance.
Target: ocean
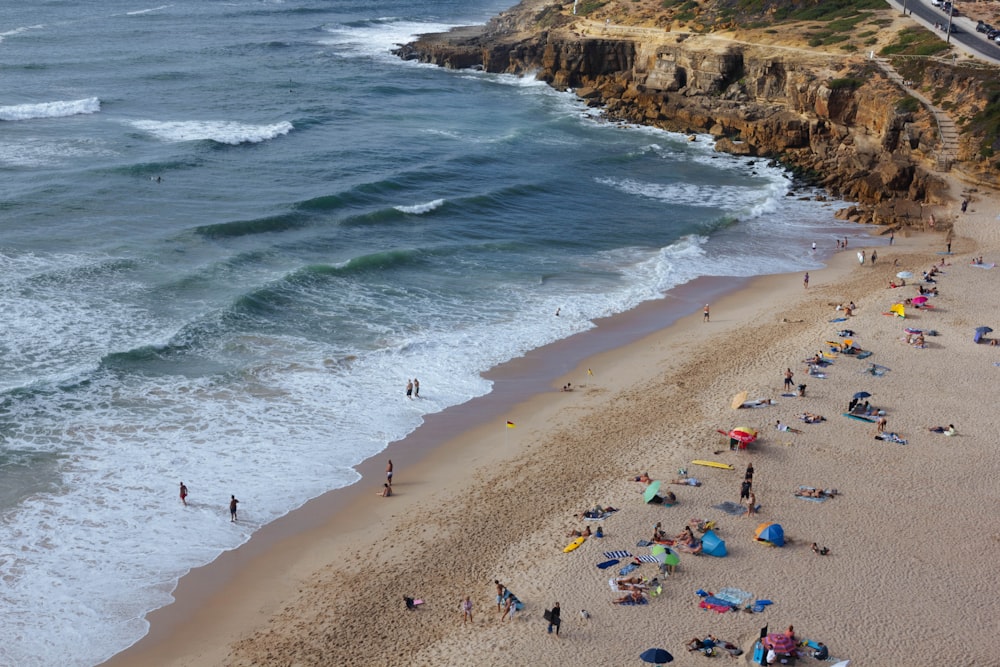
(233, 230)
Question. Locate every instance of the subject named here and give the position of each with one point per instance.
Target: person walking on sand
(184, 494)
(745, 490)
(805, 280)
(388, 471)
(751, 504)
(880, 424)
(508, 607)
(705, 314)
(409, 389)
(500, 593)
(892, 235)
(788, 378)
(554, 621)
(874, 256)
(416, 388)
(232, 508)
(466, 610)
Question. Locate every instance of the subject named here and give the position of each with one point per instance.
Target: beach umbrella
(898, 309)
(664, 555)
(904, 275)
(712, 544)
(980, 332)
(780, 643)
(919, 300)
(651, 491)
(738, 400)
(744, 434)
(771, 532)
(861, 394)
(657, 656)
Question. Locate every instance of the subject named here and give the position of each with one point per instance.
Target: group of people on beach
(413, 388)
(233, 502)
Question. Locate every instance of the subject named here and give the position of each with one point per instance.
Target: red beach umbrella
(780, 643)
(744, 434)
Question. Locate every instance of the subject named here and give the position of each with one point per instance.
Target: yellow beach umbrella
(738, 400)
(898, 309)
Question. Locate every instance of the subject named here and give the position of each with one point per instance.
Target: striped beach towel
(647, 558)
(617, 554)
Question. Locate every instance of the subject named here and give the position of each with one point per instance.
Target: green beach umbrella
(664, 555)
(651, 491)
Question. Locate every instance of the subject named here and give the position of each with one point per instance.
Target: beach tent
(713, 545)
(772, 533)
(898, 309)
(980, 332)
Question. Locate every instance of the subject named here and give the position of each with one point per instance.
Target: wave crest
(219, 131)
(57, 109)
(418, 209)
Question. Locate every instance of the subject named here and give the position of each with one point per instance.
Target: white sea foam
(57, 109)
(138, 12)
(417, 209)
(376, 39)
(18, 31)
(220, 131)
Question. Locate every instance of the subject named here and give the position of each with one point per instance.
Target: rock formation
(836, 121)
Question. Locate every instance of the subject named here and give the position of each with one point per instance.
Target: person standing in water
(409, 389)
(232, 508)
(416, 388)
(184, 494)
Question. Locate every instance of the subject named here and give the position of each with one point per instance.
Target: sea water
(231, 231)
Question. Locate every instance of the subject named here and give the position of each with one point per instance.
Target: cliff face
(832, 120)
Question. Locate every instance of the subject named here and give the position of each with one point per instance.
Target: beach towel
(643, 543)
(789, 395)
(617, 554)
(890, 437)
(608, 563)
(839, 319)
(633, 603)
(628, 569)
(860, 418)
(759, 605)
(647, 558)
(715, 604)
(984, 266)
(599, 517)
(729, 507)
(734, 596)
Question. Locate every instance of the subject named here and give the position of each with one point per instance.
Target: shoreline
(527, 385)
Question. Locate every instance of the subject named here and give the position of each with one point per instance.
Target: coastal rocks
(831, 120)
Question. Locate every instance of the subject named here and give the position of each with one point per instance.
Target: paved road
(967, 39)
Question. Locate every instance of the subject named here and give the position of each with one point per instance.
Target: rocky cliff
(834, 120)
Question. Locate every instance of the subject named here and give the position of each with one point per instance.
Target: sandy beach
(908, 576)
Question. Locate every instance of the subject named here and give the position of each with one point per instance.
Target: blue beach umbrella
(862, 394)
(980, 332)
(656, 656)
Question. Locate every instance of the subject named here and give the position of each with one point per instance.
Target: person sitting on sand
(635, 597)
(892, 284)
(819, 551)
(685, 536)
(822, 652)
(658, 534)
(386, 490)
(947, 430)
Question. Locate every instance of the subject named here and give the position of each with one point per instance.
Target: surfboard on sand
(574, 544)
(713, 464)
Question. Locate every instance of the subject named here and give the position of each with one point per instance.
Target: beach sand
(911, 532)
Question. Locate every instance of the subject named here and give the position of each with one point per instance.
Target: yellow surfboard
(574, 544)
(713, 464)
